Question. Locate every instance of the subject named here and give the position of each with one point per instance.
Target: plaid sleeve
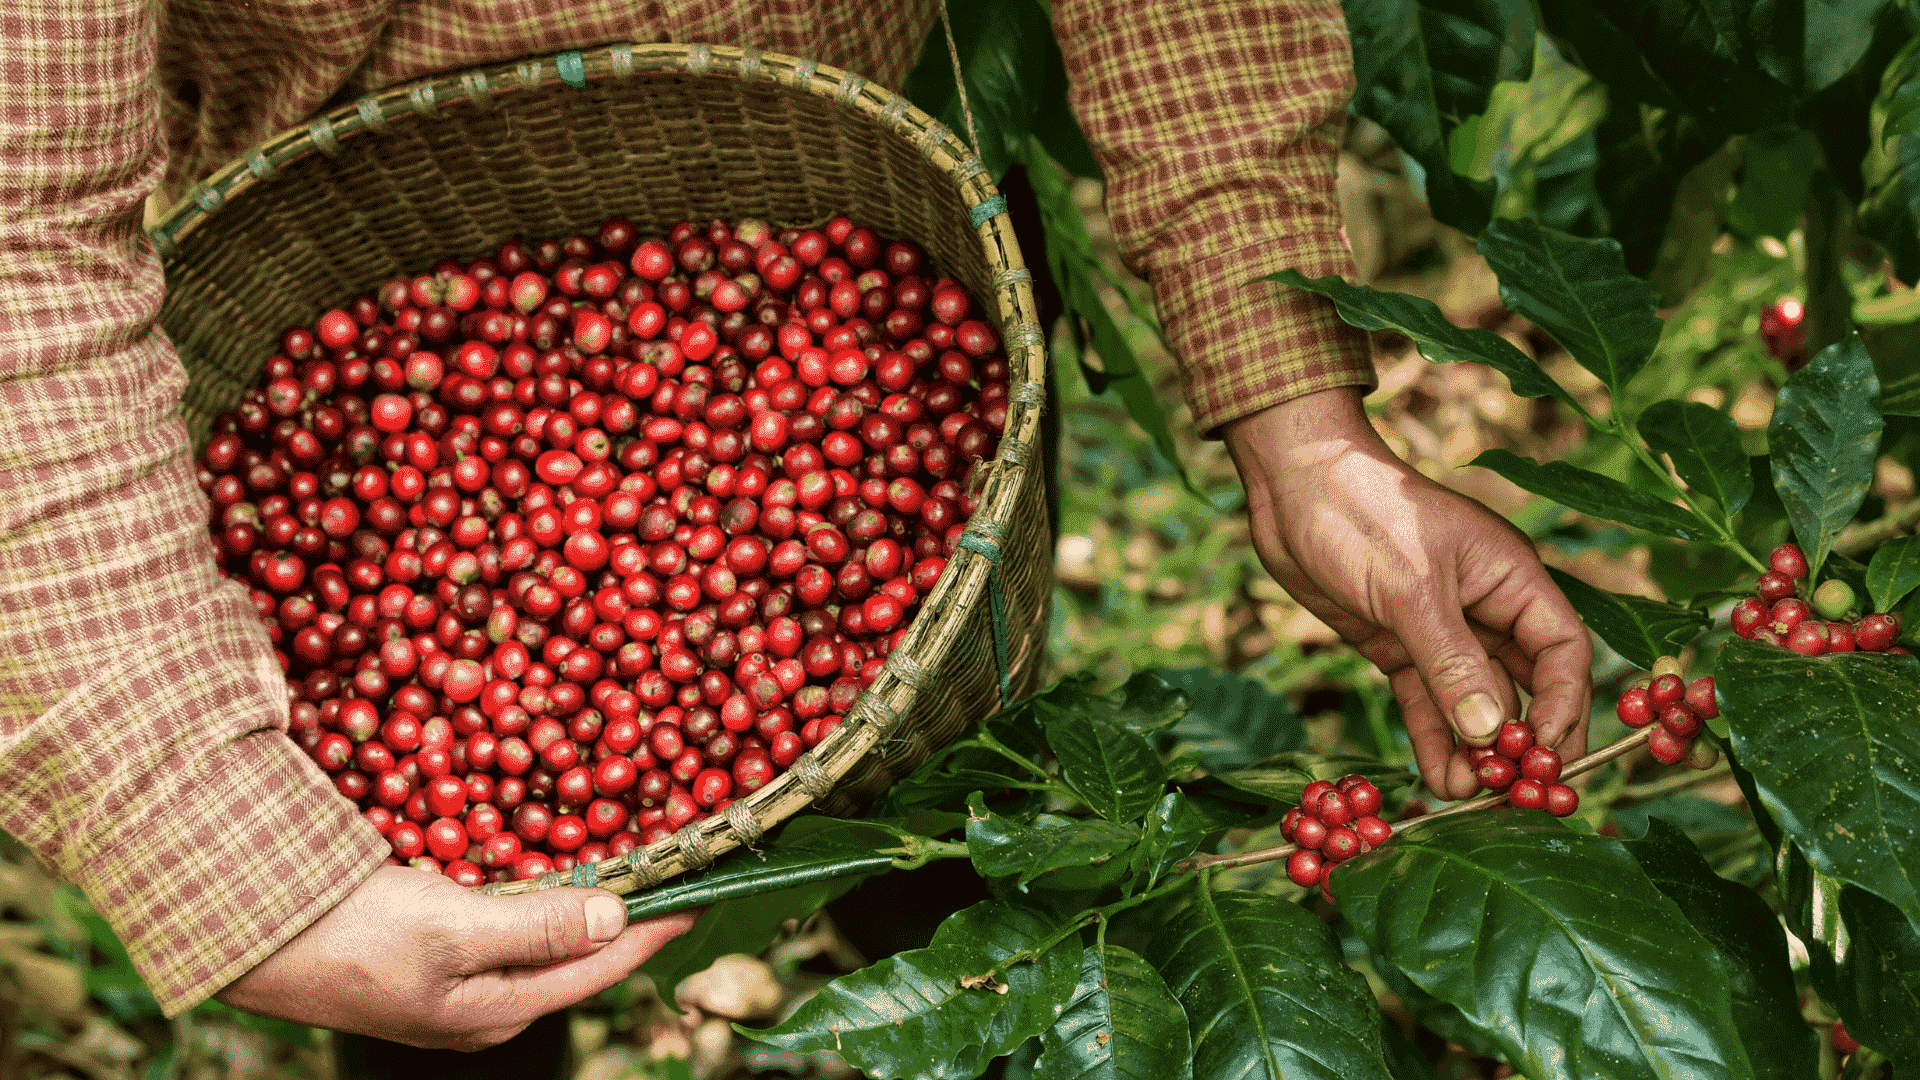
(1218, 124)
(143, 753)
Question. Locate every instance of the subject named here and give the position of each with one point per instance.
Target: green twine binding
(993, 207)
(997, 604)
(573, 69)
(586, 875)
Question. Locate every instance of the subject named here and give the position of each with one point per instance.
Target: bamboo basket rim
(972, 573)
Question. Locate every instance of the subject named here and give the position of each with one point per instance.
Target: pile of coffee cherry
(1816, 624)
(567, 547)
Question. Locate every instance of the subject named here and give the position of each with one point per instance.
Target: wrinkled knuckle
(552, 933)
(1454, 669)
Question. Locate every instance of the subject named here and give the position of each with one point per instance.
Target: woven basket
(655, 133)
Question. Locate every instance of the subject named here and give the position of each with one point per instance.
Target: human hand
(414, 958)
(1447, 598)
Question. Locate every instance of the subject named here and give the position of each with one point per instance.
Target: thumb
(1459, 678)
(539, 928)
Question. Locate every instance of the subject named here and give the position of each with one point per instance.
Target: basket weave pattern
(654, 133)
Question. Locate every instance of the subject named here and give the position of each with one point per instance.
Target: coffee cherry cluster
(1333, 823)
(1680, 707)
(1815, 625)
(1529, 774)
(565, 548)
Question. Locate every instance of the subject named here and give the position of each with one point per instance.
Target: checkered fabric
(143, 752)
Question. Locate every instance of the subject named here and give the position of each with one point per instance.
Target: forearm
(141, 710)
(1218, 127)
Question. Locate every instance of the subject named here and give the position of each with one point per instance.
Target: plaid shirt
(142, 715)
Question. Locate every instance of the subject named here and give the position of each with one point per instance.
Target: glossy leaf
(1174, 830)
(1279, 780)
(1876, 979)
(1704, 444)
(820, 850)
(1899, 99)
(1834, 752)
(1037, 992)
(1420, 67)
(1122, 1024)
(1231, 720)
(1639, 629)
(912, 1014)
(1711, 58)
(1113, 769)
(1744, 931)
(745, 925)
(1420, 321)
(1578, 291)
(1266, 992)
(1595, 495)
(1894, 572)
(1822, 441)
(1002, 847)
(1552, 942)
(1146, 702)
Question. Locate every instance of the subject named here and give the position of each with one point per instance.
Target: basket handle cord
(959, 80)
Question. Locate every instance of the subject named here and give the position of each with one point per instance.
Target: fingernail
(1477, 719)
(606, 917)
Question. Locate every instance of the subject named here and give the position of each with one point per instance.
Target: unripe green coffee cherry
(1834, 599)
(1666, 665)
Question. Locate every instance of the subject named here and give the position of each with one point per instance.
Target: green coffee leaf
(1420, 321)
(1579, 291)
(1822, 440)
(1002, 847)
(1894, 572)
(912, 1014)
(1550, 941)
(1639, 629)
(1231, 720)
(1266, 992)
(1037, 992)
(1876, 980)
(818, 850)
(1113, 769)
(1834, 753)
(1738, 71)
(1595, 495)
(1421, 67)
(1704, 444)
(1174, 830)
(1745, 933)
(1122, 1024)
(1147, 701)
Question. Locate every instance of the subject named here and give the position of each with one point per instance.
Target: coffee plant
(1138, 913)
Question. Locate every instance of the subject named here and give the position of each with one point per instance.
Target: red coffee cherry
(1666, 690)
(1527, 794)
(1497, 773)
(1635, 708)
(1788, 559)
(1700, 698)
(1514, 739)
(1304, 868)
(1562, 800)
(1542, 764)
